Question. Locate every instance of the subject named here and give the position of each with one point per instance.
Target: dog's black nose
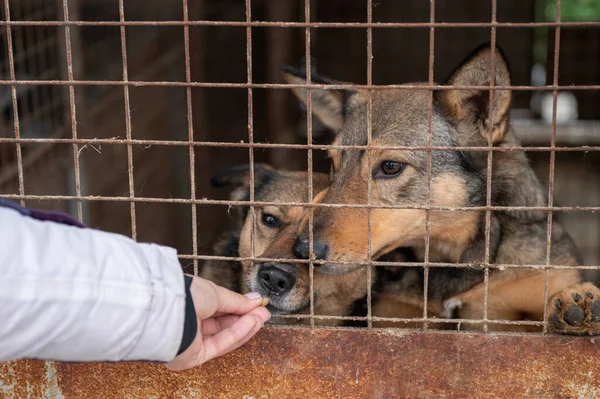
(274, 279)
(301, 249)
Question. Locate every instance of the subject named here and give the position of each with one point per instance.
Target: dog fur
(333, 295)
(459, 117)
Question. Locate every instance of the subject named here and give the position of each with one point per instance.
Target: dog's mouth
(287, 310)
(288, 303)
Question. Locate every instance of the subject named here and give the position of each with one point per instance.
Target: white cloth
(73, 294)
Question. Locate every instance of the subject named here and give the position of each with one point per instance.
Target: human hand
(226, 320)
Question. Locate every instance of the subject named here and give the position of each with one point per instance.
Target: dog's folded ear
(239, 177)
(327, 104)
(473, 105)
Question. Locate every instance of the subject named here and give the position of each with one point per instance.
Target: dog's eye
(270, 220)
(391, 168)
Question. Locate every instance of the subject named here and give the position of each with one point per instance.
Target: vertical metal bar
(488, 215)
(552, 160)
(60, 98)
(127, 120)
(15, 103)
(311, 267)
(369, 177)
(190, 120)
(429, 134)
(73, 108)
(250, 119)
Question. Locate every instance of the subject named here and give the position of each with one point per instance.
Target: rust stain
(327, 363)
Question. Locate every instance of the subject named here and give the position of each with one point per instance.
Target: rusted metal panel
(322, 363)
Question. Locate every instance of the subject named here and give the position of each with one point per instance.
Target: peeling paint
(586, 391)
(52, 390)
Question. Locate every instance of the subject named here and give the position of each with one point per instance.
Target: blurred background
(218, 54)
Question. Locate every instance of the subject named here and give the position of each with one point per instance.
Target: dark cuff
(190, 326)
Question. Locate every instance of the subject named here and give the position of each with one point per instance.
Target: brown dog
(399, 178)
(287, 285)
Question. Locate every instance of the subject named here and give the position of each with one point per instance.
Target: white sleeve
(73, 294)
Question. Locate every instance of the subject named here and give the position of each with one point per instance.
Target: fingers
(234, 303)
(232, 337)
(213, 326)
(210, 299)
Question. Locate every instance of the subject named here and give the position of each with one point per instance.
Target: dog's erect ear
(327, 104)
(239, 176)
(473, 106)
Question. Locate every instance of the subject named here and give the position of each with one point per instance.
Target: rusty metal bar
(291, 363)
(301, 204)
(128, 127)
(73, 110)
(369, 176)
(488, 196)
(499, 266)
(424, 320)
(322, 147)
(190, 121)
(13, 92)
(429, 134)
(150, 83)
(250, 122)
(552, 158)
(359, 25)
(309, 138)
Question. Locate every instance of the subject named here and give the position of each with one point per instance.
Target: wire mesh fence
(119, 114)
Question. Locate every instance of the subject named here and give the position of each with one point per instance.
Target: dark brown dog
(399, 178)
(287, 285)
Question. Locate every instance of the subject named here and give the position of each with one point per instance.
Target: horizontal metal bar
(322, 147)
(411, 320)
(241, 85)
(281, 24)
(206, 201)
(499, 266)
(340, 363)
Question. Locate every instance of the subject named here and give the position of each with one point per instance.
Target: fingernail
(253, 295)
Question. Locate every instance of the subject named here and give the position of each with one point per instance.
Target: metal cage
(117, 113)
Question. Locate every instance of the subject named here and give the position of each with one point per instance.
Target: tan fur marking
(510, 295)
(405, 307)
(454, 228)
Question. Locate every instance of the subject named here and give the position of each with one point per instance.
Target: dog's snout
(302, 249)
(275, 280)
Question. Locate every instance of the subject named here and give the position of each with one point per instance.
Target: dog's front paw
(575, 310)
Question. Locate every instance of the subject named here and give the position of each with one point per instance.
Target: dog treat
(264, 301)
